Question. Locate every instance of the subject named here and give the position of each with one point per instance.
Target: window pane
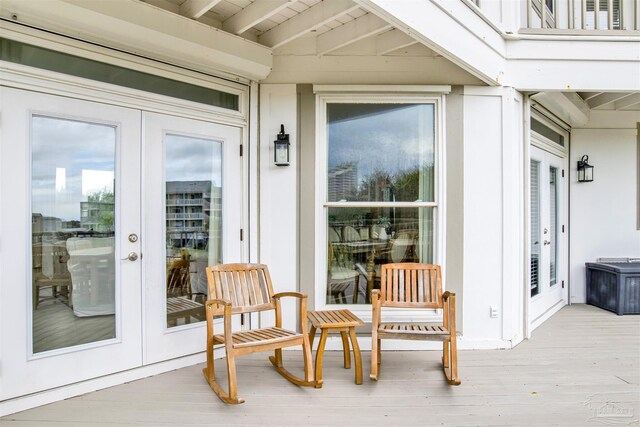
(535, 228)
(361, 239)
(547, 132)
(380, 152)
(34, 56)
(193, 174)
(553, 225)
(73, 260)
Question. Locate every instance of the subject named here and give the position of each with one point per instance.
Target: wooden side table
(342, 321)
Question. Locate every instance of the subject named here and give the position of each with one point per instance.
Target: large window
(380, 190)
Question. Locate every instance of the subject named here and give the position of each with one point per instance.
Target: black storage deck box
(614, 286)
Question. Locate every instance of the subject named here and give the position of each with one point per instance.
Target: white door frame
(544, 149)
(163, 343)
(26, 372)
(18, 76)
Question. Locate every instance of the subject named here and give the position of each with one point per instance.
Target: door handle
(131, 257)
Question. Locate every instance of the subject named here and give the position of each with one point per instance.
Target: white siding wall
(604, 212)
(278, 235)
(493, 217)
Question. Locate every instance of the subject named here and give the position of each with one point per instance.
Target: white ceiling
(338, 28)
(618, 101)
(333, 25)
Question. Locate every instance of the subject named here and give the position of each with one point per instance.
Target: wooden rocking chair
(247, 288)
(412, 285)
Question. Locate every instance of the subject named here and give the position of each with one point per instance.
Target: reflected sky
(387, 137)
(70, 159)
(193, 159)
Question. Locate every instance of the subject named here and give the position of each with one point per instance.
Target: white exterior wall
(493, 217)
(278, 228)
(604, 213)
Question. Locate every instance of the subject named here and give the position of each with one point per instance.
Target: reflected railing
(581, 16)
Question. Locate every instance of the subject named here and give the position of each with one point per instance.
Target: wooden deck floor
(581, 368)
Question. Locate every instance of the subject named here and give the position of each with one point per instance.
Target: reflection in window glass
(72, 226)
(193, 186)
(362, 239)
(380, 152)
(377, 153)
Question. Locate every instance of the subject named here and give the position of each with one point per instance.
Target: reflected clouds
(193, 159)
(72, 147)
(389, 137)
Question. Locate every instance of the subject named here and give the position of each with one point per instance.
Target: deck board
(575, 363)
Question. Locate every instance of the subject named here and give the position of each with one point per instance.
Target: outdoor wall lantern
(281, 148)
(585, 170)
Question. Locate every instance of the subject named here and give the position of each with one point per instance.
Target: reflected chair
(50, 272)
(180, 303)
(415, 286)
(179, 278)
(342, 276)
(247, 288)
(403, 247)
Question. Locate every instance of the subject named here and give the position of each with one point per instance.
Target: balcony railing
(184, 202)
(580, 16)
(185, 215)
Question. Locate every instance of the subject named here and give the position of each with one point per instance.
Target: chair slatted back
(411, 285)
(179, 278)
(247, 286)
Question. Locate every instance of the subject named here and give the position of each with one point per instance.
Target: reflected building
(194, 211)
(343, 181)
(97, 215)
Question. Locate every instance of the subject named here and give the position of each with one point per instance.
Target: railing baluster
(596, 14)
(571, 23)
(609, 14)
(543, 14)
(529, 13)
(584, 14)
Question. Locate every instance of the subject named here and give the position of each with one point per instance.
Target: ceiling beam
(306, 21)
(588, 95)
(194, 9)
(253, 14)
(629, 102)
(392, 40)
(358, 29)
(606, 98)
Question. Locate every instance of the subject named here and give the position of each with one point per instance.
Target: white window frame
(434, 95)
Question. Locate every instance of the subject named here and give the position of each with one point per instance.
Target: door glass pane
(535, 228)
(361, 239)
(193, 185)
(380, 152)
(72, 241)
(553, 225)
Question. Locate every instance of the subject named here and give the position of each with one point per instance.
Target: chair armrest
(450, 311)
(376, 308)
(303, 308)
(218, 302)
(289, 294)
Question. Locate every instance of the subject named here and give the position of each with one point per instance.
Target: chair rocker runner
(413, 285)
(247, 288)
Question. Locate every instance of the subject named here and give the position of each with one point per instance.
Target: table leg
(319, 356)
(356, 354)
(312, 335)
(346, 350)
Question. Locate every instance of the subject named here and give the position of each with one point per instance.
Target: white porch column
(278, 225)
(493, 224)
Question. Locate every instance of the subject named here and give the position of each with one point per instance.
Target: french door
(192, 218)
(99, 203)
(548, 215)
